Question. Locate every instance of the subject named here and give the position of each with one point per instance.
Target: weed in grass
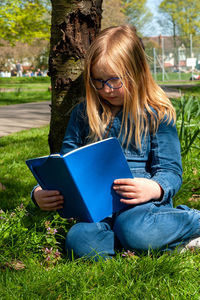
(22, 235)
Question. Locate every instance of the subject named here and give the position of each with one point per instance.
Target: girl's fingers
(124, 181)
(52, 206)
(49, 193)
(131, 201)
(124, 188)
(52, 199)
(126, 195)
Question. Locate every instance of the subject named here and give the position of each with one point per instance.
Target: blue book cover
(85, 178)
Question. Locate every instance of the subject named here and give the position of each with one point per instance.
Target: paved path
(14, 118)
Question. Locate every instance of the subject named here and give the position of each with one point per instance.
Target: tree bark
(74, 25)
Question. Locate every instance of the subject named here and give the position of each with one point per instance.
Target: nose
(107, 89)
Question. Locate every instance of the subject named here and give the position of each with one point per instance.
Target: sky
(156, 30)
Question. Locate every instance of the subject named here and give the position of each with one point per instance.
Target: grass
(165, 277)
(25, 271)
(172, 77)
(16, 90)
(192, 90)
(8, 98)
(19, 80)
(24, 86)
(33, 264)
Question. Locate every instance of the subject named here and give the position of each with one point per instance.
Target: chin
(115, 103)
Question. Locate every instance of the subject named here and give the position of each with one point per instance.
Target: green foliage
(188, 123)
(38, 238)
(24, 20)
(137, 12)
(183, 14)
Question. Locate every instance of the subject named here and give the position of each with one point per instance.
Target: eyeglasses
(113, 83)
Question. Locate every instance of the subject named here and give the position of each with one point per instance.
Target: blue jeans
(139, 228)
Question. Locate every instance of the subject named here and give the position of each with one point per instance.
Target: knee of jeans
(73, 238)
(135, 236)
(81, 238)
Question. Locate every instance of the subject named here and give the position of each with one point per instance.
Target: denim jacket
(158, 158)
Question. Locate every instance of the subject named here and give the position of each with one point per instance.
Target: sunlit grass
(26, 272)
(18, 97)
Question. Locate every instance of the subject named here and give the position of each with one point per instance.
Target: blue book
(85, 178)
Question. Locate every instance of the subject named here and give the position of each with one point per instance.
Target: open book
(85, 178)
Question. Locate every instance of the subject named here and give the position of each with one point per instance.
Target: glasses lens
(97, 84)
(115, 83)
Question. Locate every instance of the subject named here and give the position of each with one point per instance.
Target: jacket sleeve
(32, 195)
(75, 135)
(77, 130)
(166, 166)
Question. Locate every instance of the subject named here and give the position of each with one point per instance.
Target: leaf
(24, 21)
(183, 14)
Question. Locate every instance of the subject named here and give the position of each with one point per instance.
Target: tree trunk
(74, 25)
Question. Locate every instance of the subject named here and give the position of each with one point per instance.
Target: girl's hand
(137, 190)
(48, 200)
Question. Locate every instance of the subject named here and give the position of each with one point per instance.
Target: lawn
(33, 264)
(173, 76)
(23, 90)
(8, 98)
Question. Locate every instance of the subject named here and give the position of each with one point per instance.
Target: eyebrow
(108, 77)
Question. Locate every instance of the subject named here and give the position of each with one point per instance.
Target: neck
(115, 109)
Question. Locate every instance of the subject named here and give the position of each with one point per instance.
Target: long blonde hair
(121, 50)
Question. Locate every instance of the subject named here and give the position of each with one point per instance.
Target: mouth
(110, 98)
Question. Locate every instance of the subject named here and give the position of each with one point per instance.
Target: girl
(123, 101)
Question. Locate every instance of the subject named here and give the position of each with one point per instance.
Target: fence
(171, 60)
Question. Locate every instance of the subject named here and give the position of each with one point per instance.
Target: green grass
(173, 77)
(28, 272)
(165, 277)
(14, 150)
(8, 98)
(16, 90)
(16, 80)
(24, 86)
(192, 90)
(23, 238)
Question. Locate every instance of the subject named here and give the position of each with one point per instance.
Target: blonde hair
(120, 49)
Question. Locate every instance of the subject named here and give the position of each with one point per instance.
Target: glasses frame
(106, 82)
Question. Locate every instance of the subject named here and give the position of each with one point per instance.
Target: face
(114, 96)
